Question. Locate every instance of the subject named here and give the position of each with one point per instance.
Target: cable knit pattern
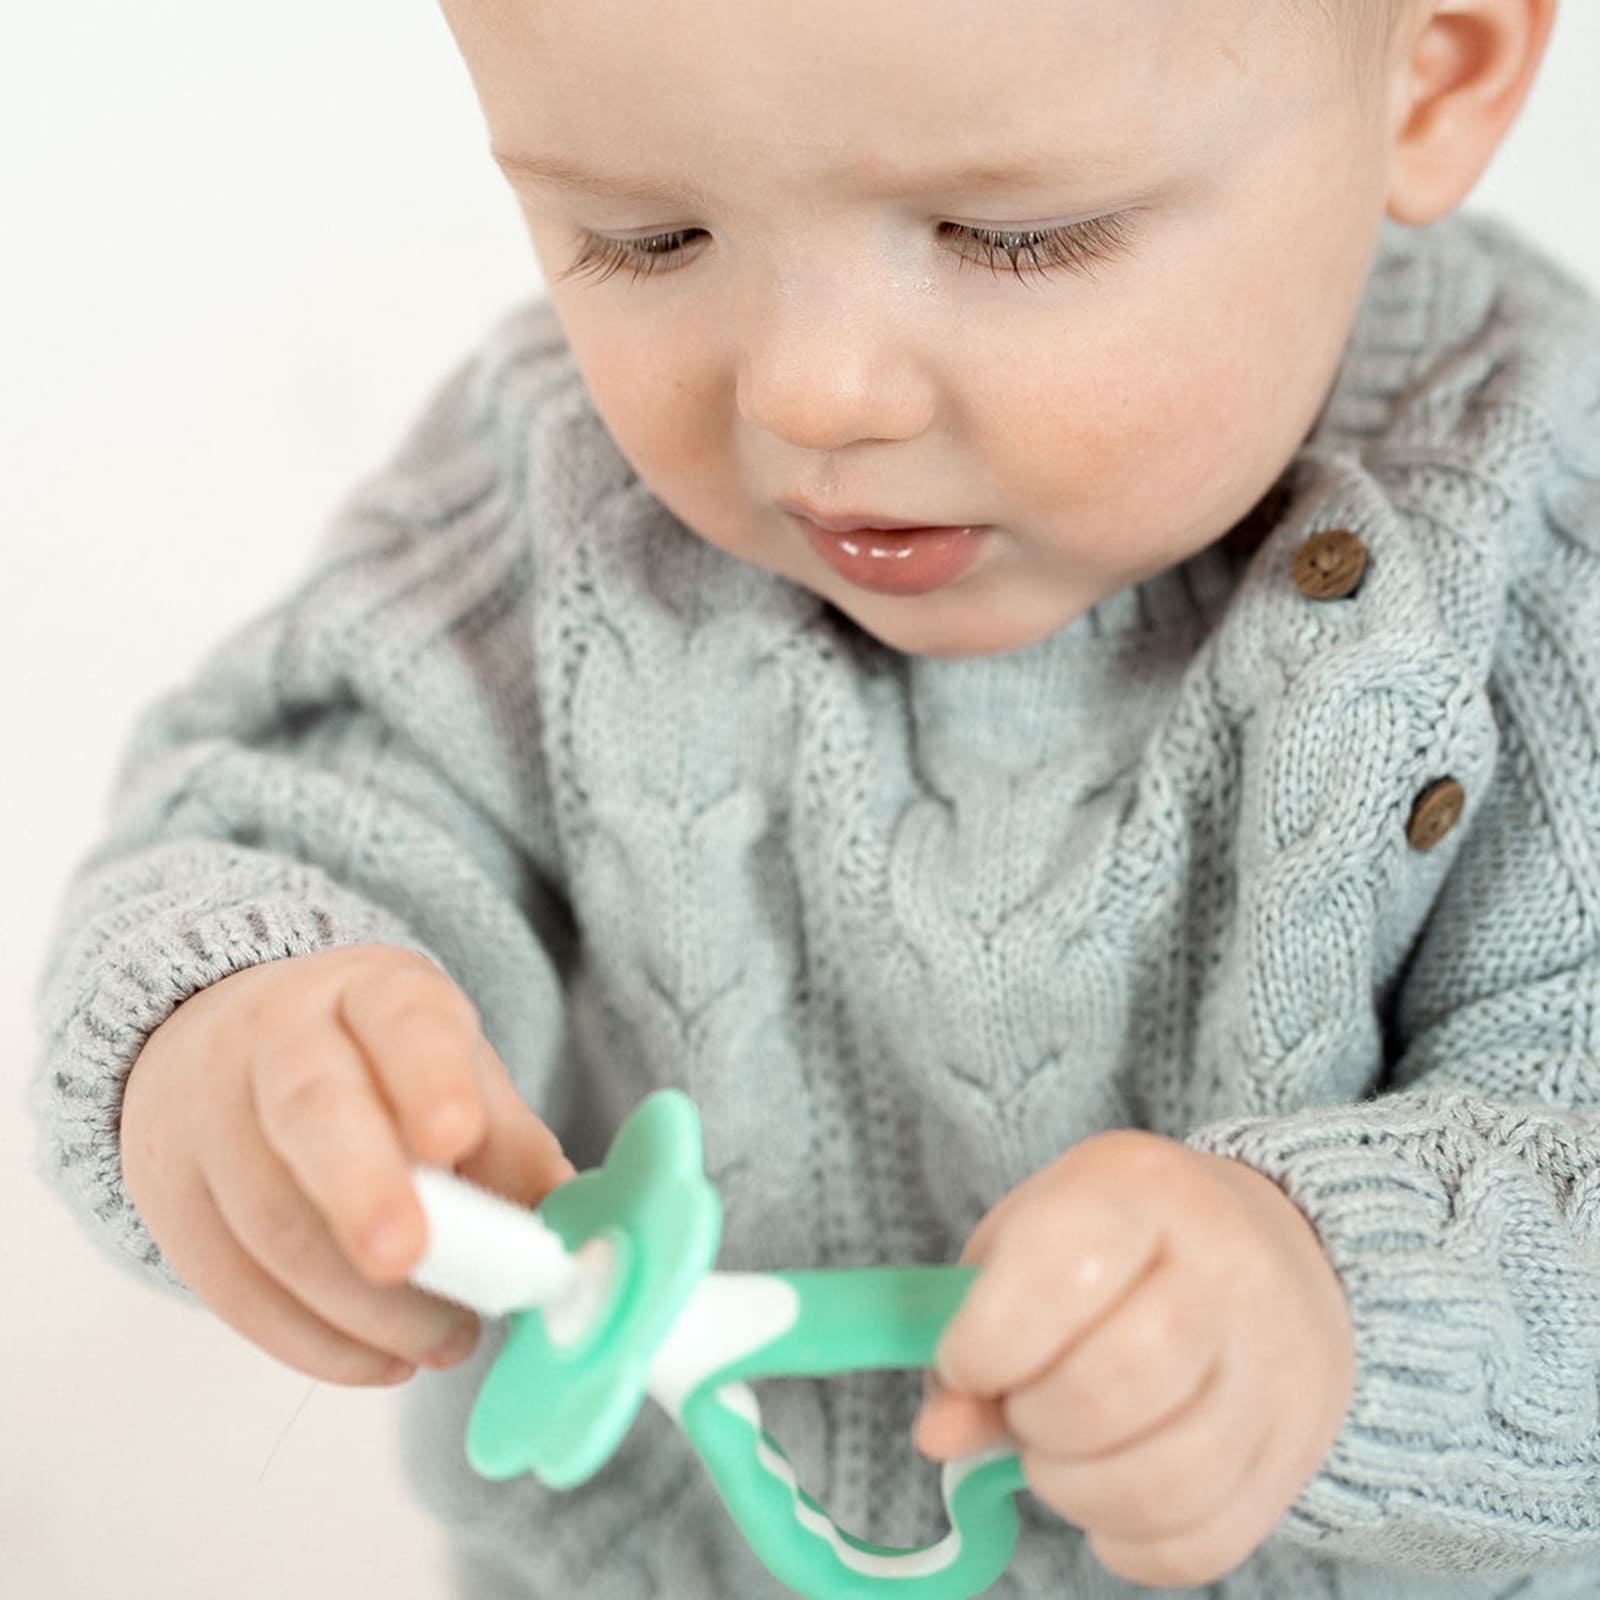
(906, 928)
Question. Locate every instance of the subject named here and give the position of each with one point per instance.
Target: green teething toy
(617, 1300)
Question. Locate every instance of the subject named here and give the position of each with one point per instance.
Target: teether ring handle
(851, 1321)
(659, 1320)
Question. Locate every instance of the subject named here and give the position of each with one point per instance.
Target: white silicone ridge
(566, 1321)
(730, 1316)
(740, 1399)
(727, 1317)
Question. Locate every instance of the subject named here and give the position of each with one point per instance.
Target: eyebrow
(563, 173)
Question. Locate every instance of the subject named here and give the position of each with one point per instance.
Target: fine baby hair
(611, 1297)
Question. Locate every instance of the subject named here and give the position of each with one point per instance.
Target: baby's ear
(1455, 87)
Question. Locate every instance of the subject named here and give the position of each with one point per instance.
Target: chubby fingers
(951, 1424)
(1186, 1474)
(449, 1092)
(321, 1115)
(1059, 1258)
(520, 1156)
(421, 1037)
(1132, 1373)
(283, 1280)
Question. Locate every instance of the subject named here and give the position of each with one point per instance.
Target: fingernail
(456, 1346)
(932, 1391)
(919, 1431)
(390, 1242)
(449, 1120)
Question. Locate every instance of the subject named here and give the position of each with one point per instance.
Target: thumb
(952, 1424)
(518, 1156)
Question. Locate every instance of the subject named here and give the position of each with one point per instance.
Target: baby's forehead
(834, 99)
(892, 34)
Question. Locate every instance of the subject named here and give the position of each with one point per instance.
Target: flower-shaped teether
(612, 1277)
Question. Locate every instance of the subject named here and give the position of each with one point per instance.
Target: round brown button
(1436, 812)
(1328, 566)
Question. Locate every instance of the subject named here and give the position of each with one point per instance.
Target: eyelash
(1077, 248)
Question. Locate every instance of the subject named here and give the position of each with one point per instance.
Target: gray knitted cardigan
(906, 928)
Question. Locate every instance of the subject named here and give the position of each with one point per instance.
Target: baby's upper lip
(850, 521)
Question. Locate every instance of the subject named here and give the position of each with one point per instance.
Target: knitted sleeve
(1461, 1207)
(359, 764)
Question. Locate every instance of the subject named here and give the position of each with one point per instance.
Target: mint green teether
(560, 1410)
(612, 1297)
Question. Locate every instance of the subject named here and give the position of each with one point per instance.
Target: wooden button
(1328, 566)
(1436, 812)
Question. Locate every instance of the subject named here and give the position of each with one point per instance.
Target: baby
(1021, 623)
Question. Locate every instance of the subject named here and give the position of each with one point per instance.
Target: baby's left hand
(1169, 1347)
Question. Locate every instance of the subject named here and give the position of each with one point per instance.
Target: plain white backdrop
(237, 247)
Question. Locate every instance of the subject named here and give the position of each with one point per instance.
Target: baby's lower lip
(899, 561)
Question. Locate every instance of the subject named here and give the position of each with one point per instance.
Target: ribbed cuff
(99, 1009)
(1436, 1210)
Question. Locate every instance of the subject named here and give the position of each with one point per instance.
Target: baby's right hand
(267, 1128)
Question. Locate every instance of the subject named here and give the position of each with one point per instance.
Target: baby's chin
(951, 627)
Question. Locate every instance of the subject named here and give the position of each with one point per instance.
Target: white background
(238, 244)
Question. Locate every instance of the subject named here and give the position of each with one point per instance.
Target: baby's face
(806, 304)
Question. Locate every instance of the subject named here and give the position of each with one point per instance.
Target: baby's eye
(1078, 248)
